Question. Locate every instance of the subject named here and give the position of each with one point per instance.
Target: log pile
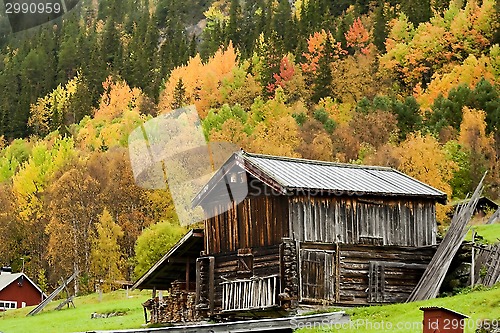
(177, 307)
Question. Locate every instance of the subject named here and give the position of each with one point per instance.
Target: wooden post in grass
(473, 261)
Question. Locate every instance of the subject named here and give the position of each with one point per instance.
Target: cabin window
(6, 305)
(245, 262)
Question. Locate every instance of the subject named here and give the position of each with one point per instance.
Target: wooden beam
(255, 325)
(187, 273)
(211, 283)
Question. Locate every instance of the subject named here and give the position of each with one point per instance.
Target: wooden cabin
(280, 232)
(312, 232)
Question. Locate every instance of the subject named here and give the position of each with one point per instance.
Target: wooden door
(318, 281)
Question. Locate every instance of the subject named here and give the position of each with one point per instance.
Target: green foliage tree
(154, 243)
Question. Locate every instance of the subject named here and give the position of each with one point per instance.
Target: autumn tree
(415, 55)
(29, 185)
(106, 254)
(154, 243)
(422, 157)
(75, 206)
(60, 108)
(274, 131)
(358, 38)
(322, 50)
(374, 128)
(200, 82)
(473, 137)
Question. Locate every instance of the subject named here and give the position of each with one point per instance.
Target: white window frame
(8, 305)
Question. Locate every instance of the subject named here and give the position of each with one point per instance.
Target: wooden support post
(211, 283)
(198, 280)
(187, 274)
(473, 262)
(337, 272)
(153, 294)
(145, 315)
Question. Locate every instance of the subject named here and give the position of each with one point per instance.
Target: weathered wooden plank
(211, 285)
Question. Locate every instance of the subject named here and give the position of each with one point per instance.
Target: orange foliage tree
(358, 37)
(202, 82)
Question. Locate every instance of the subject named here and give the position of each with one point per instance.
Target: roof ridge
(318, 162)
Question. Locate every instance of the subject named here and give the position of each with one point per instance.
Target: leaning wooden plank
(494, 218)
(51, 296)
(433, 277)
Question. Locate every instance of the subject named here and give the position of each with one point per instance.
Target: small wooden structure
(442, 320)
(484, 205)
(310, 232)
(175, 272)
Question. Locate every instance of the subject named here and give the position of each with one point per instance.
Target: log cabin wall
(359, 274)
(236, 274)
(255, 222)
(380, 274)
(362, 220)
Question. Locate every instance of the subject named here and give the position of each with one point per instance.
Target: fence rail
(252, 293)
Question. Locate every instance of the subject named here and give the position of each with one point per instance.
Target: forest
(413, 85)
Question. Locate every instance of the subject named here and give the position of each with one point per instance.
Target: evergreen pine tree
(380, 31)
(179, 95)
(233, 30)
(322, 86)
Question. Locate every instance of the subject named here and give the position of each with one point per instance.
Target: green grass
(78, 319)
(489, 232)
(478, 305)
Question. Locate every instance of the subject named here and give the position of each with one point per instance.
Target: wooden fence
(251, 293)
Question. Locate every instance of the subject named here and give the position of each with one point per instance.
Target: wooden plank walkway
(255, 325)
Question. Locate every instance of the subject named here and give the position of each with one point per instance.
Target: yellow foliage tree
(481, 147)
(49, 113)
(119, 112)
(117, 98)
(470, 72)
(106, 254)
(275, 131)
(421, 156)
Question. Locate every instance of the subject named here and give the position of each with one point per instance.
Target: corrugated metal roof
(424, 308)
(296, 174)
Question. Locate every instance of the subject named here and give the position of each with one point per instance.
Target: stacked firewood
(177, 307)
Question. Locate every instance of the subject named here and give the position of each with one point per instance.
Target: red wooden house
(17, 290)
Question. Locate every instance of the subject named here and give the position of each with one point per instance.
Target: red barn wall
(26, 293)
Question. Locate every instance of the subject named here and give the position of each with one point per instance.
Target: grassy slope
(489, 232)
(477, 305)
(77, 320)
